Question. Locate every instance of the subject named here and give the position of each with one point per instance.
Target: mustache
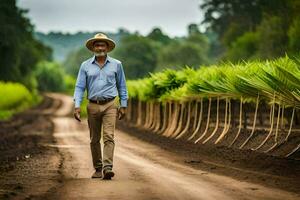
(99, 50)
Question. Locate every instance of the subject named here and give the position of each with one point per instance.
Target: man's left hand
(121, 113)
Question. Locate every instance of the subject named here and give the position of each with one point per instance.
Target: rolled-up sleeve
(121, 85)
(80, 86)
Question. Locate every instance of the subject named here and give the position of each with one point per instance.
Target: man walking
(104, 79)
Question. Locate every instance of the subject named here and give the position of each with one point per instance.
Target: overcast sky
(172, 16)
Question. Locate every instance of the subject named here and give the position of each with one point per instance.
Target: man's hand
(77, 114)
(121, 113)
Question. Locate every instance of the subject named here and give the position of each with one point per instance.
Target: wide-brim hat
(100, 37)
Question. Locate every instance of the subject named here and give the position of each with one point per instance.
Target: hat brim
(90, 43)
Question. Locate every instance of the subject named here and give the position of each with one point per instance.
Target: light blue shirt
(101, 83)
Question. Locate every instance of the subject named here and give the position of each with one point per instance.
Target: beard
(102, 53)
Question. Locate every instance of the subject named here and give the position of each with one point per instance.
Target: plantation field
(249, 100)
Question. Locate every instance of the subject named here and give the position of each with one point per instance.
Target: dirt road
(143, 170)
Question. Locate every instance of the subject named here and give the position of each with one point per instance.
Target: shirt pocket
(111, 77)
(93, 74)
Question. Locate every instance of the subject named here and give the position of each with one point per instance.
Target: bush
(70, 82)
(50, 77)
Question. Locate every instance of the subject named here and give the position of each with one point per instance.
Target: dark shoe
(108, 174)
(97, 173)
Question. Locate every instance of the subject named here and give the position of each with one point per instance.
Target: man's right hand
(77, 114)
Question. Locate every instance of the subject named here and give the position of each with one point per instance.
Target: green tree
(138, 55)
(74, 60)
(193, 29)
(198, 38)
(157, 35)
(181, 53)
(19, 50)
(267, 20)
(244, 48)
(219, 15)
(273, 40)
(293, 34)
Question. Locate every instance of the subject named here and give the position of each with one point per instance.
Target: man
(104, 79)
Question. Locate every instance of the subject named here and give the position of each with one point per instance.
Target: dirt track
(145, 170)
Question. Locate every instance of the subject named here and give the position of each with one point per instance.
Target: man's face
(100, 48)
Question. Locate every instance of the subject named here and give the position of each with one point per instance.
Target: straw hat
(100, 37)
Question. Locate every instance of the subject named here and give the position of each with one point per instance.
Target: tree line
(154, 52)
(256, 29)
(25, 59)
(19, 50)
(235, 31)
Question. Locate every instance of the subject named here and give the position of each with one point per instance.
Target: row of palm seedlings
(228, 103)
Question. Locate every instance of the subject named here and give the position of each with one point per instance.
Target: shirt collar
(93, 60)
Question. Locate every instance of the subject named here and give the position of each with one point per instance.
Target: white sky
(172, 16)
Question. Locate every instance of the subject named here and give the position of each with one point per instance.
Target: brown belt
(101, 101)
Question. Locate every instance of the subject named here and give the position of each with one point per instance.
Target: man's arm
(122, 90)
(121, 85)
(79, 91)
(80, 87)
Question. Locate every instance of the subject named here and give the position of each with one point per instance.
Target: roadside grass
(15, 98)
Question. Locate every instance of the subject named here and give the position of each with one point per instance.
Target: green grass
(70, 84)
(83, 107)
(15, 97)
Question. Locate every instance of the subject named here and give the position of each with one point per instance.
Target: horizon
(59, 16)
(101, 31)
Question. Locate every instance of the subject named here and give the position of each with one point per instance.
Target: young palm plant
(175, 103)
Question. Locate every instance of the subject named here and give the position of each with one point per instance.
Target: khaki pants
(102, 119)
